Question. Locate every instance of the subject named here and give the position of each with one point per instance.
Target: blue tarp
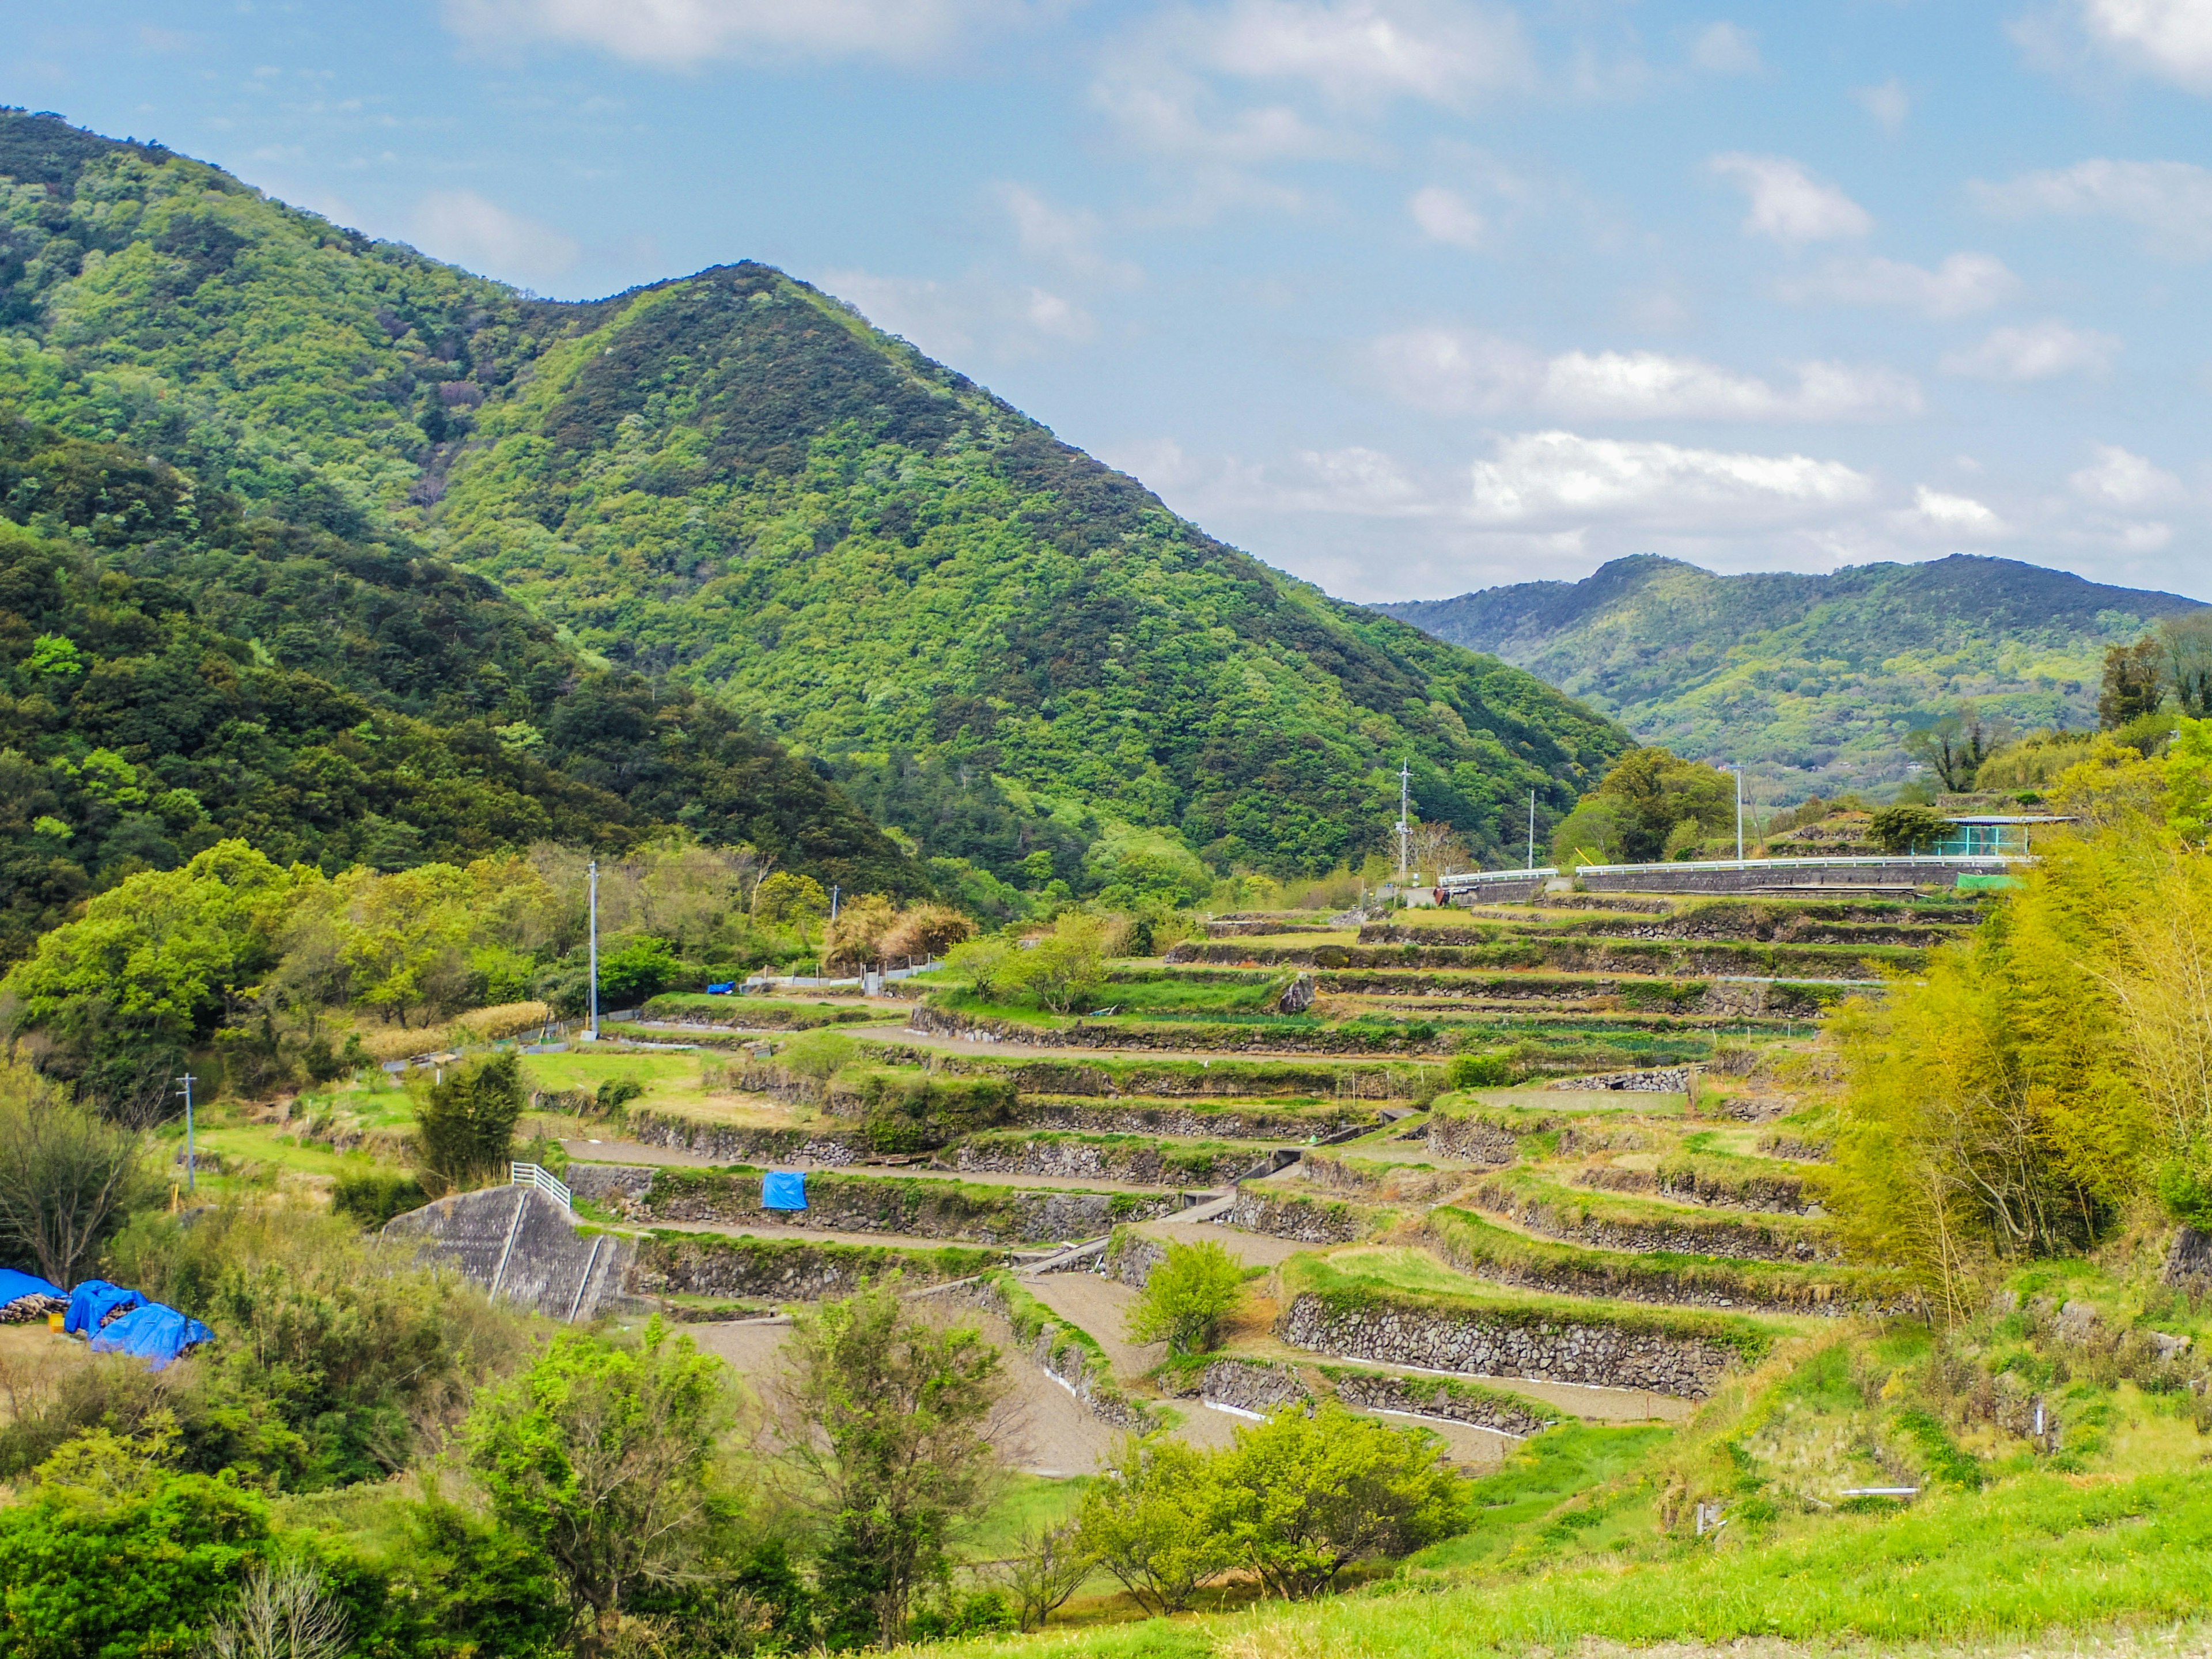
(154, 1332)
(726, 988)
(783, 1191)
(18, 1287)
(90, 1302)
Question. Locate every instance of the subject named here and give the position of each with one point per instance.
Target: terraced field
(1490, 1171)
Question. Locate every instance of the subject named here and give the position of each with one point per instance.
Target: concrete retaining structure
(1552, 1349)
(521, 1246)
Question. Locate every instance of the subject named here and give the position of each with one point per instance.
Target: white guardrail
(1485, 877)
(1960, 861)
(532, 1174)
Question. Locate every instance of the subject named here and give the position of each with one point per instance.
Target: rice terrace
(674, 986)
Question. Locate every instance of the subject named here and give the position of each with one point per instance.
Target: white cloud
(1963, 283)
(1950, 516)
(679, 33)
(461, 226)
(1066, 237)
(1889, 104)
(951, 320)
(1164, 118)
(1366, 50)
(1449, 371)
(1789, 204)
(2119, 479)
(1445, 215)
(1560, 478)
(2170, 39)
(2170, 201)
(1724, 49)
(2040, 351)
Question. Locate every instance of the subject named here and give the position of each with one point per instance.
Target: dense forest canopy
(732, 482)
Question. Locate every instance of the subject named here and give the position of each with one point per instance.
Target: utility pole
(1532, 828)
(190, 1165)
(833, 890)
(1738, 769)
(594, 873)
(1405, 828)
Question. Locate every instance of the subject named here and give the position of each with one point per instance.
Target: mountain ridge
(732, 479)
(1812, 678)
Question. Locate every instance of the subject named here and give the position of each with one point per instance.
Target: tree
(926, 931)
(2186, 640)
(1904, 828)
(856, 936)
(1954, 747)
(1310, 1495)
(1186, 1296)
(283, 1612)
(888, 1420)
(786, 900)
(1048, 1565)
(116, 1552)
(1436, 850)
(68, 1178)
(1065, 965)
(1155, 1520)
(2132, 680)
(465, 1127)
(1653, 790)
(602, 1455)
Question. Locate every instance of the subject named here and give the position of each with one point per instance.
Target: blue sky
(1406, 296)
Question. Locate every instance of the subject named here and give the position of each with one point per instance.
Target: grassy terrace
(1386, 1278)
(1657, 957)
(1474, 1244)
(1538, 1201)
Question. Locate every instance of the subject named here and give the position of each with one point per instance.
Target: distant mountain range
(1809, 681)
(713, 552)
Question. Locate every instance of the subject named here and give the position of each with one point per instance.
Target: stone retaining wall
(1600, 1353)
(1379, 1391)
(726, 1143)
(1659, 1080)
(1693, 1235)
(1764, 1194)
(916, 1209)
(1474, 1140)
(1251, 1385)
(1083, 1369)
(1781, 876)
(1184, 1123)
(1131, 1258)
(1307, 1221)
(1167, 1038)
(1138, 1165)
(773, 1271)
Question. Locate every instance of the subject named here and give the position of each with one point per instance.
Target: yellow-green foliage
(2044, 1075)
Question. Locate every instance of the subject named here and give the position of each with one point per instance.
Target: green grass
(2033, 1553)
(1571, 1205)
(1028, 1502)
(1539, 1478)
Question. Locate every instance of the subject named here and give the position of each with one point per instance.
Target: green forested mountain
(732, 483)
(1811, 680)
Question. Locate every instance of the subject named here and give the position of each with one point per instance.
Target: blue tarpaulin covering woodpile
(26, 1296)
(95, 1302)
(781, 1190)
(153, 1332)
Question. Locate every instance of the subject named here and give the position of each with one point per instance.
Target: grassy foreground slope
(732, 478)
(1804, 673)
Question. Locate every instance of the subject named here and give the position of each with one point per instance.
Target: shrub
(1480, 1072)
(819, 1055)
(1901, 829)
(465, 1128)
(68, 1178)
(1186, 1298)
(374, 1196)
(1155, 1522)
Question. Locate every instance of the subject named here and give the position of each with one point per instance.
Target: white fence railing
(1987, 860)
(532, 1174)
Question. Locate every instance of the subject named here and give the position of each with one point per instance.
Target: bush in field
(465, 1127)
(1308, 1496)
(819, 1055)
(1901, 829)
(1480, 1071)
(374, 1196)
(855, 937)
(1155, 1522)
(1186, 1296)
(118, 1553)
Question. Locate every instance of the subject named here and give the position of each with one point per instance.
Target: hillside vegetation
(733, 480)
(1810, 680)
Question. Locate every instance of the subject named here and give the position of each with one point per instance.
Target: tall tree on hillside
(2133, 681)
(887, 1420)
(1652, 790)
(68, 1178)
(1955, 747)
(2187, 642)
